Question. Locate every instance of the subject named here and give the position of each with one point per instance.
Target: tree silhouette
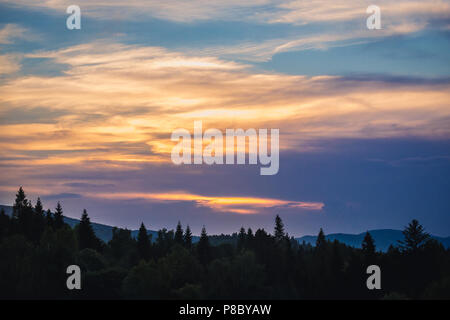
(35, 255)
(321, 240)
(143, 243)
(179, 234)
(203, 247)
(58, 217)
(415, 237)
(86, 235)
(279, 229)
(49, 219)
(188, 237)
(241, 239)
(20, 203)
(368, 244)
(23, 216)
(368, 248)
(38, 208)
(250, 238)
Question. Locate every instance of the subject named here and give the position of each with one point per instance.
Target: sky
(86, 115)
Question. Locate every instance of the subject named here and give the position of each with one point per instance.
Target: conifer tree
(86, 235)
(20, 203)
(20, 212)
(415, 237)
(38, 221)
(279, 229)
(368, 246)
(49, 218)
(58, 217)
(203, 247)
(188, 237)
(250, 238)
(38, 209)
(321, 240)
(241, 239)
(23, 215)
(143, 243)
(179, 234)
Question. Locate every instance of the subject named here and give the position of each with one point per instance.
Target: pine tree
(179, 234)
(86, 235)
(203, 247)
(368, 246)
(38, 209)
(415, 237)
(321, 241)
(188, 237)
(143, 243)
(23, 215)
(279, 229)
(49, 218)
(58, 217)
(20, 203)
(241, 239)
(38, 221)
(250, 238)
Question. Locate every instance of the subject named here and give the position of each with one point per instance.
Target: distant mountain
(383, 238)
(102, 231)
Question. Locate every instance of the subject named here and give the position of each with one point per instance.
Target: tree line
(36, 247)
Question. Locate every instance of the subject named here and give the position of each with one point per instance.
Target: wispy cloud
(239, 205)
(162, 90)
(261, 11)
(9, 63)
(335, 23)
(9, 32)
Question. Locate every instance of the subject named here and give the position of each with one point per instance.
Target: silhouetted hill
(102, 231)
(383, 238)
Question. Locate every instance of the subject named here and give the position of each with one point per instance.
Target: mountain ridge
(383, 237)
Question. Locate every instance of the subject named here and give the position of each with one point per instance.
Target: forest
(36, 247)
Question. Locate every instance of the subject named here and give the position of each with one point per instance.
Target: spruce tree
(58, 217)
(20, 203)
(279, 229)
(86, 235)
(188, 237)
(38, 209)
(38, 221)
(368, 246)
(203, 247)
(321, 240)
(179, 234)
(241, 239)
(250, 238)
(49, 218)
(415, 237)
(143, 243)
(23, 215)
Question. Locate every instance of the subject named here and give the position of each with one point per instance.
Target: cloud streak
(239, 205)
(120, 103)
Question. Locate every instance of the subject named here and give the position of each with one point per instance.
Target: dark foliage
(37, 246)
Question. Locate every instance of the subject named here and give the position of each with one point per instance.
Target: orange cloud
(120, 103)
(239, 205)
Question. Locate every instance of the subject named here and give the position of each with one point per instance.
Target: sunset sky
(86, 115)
